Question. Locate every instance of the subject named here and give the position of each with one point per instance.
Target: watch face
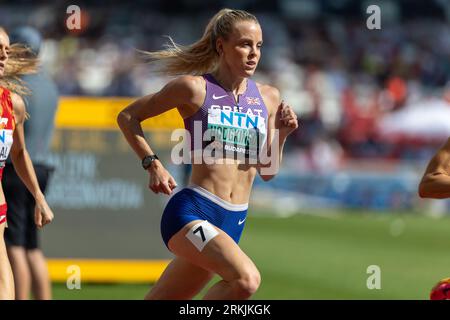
(147, 162)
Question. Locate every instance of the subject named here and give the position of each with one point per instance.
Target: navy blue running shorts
(196, 203)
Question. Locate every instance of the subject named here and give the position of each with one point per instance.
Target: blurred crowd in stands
(352, 87)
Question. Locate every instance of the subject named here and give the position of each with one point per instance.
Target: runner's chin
(249, 70)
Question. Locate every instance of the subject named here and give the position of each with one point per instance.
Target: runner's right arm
(182, 93)
(436, 180)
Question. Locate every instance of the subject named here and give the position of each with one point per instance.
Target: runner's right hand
(160, 179)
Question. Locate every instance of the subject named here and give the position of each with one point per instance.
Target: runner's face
(242, 50)
(4, 51)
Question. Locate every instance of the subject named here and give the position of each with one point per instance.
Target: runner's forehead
(4, 39)
(247, 29)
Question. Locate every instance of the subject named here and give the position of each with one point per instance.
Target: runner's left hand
(42, 213)
(286, 119)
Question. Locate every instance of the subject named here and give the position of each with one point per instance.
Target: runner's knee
(247, 283)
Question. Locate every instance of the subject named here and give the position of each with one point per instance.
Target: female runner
(201, 224)
(12, 118)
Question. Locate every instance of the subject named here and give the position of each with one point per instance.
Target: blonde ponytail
(21, 61)
(200, 57)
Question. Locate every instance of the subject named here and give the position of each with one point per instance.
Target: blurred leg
(17, 197)
(181, 280)
(41, 285)
(19, 265)
(40, 280)
(6, 275)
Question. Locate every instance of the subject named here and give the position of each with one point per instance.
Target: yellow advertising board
(101, 113)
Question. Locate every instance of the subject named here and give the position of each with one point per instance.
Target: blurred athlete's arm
(282, 121)
(184, 93)
(436, 180)
(24, 167)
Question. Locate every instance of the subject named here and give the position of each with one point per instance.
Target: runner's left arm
(24, 167)
(281, 123)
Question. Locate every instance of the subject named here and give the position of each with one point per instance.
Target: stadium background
(374, 106)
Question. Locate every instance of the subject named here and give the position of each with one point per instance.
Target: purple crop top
(235, 129)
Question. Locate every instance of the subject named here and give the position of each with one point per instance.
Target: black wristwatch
(148, 160)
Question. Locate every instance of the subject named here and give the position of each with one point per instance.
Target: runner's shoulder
(446, 147)
(191, 88)
(442, 156)
(189, 83)
(19, 108)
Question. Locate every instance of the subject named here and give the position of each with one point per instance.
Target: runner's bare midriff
(231, 182)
